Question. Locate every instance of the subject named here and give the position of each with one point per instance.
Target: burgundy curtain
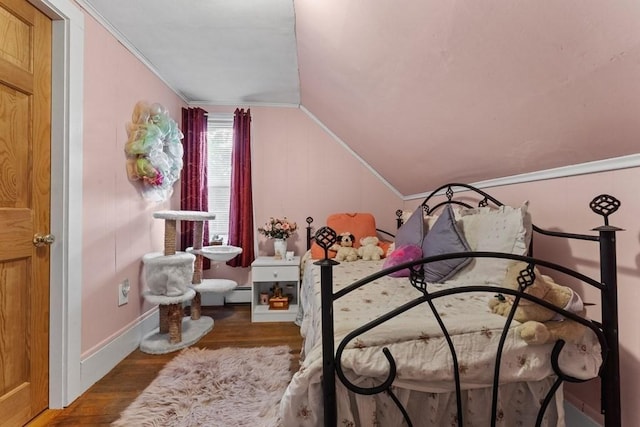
(194, 191)
(241, 206)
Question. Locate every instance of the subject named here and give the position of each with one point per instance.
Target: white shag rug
(225, 387)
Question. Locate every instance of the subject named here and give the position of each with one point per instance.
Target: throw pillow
(400, 255)
(412, 231)
(444, 237)
(359, 224)
(505, 229)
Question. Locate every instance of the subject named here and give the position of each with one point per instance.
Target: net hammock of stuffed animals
(154, 151)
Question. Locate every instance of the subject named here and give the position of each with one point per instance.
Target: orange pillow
(359, 224)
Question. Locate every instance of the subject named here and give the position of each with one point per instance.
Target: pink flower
(278, 228)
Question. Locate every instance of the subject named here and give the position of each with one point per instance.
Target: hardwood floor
(103, 402)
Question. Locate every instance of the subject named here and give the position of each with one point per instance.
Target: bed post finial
(309, 237)
(325, 238)
(604, 205)
(399, 220)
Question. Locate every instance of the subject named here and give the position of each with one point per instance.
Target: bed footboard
(606, 331)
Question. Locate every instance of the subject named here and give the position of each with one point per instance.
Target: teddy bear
(540, 325)
(369, 249)
(344, 247)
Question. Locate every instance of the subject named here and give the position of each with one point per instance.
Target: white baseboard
(209, 299)
(97, 365)
(240, 295)
(104, 360)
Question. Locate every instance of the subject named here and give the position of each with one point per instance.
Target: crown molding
(606, 165)
(128, 45)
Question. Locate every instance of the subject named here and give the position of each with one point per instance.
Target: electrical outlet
(123, 292)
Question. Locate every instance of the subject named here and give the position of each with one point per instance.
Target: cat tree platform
(175, 331)
(217, 286)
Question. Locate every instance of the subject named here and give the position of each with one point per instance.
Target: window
(219, 145)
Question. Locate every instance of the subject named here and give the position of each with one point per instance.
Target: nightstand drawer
(275, 273)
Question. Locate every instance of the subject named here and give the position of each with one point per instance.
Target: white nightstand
(265, 273)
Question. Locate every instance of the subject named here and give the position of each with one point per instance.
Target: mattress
(416, 341)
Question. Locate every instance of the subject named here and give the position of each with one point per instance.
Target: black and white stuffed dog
(344, 247)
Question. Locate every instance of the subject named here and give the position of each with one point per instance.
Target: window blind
(219, 145)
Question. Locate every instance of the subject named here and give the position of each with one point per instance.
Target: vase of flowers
(279, 248)
(279, 229)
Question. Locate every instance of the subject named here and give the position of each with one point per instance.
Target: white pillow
(505, 229)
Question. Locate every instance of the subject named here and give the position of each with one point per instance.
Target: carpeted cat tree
(175, 278)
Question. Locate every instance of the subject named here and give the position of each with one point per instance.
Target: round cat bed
(168, 275)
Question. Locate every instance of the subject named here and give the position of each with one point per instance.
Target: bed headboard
(310, 233)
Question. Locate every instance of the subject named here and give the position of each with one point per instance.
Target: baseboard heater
(241, 294)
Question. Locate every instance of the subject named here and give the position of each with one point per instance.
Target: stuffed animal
(369, 249)
(538, 324)
(344, 247)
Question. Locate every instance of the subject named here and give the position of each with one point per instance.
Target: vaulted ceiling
(424, 91)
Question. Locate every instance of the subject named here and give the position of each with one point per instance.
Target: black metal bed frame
(606, 331)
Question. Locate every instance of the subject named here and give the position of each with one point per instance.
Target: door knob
(40, 240)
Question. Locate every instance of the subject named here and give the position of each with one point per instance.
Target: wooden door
(25, 175)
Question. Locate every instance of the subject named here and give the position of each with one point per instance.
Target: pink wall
(538, 84)
(118, 227)
(299, 171)
(563, 204)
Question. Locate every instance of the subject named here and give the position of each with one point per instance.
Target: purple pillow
(400, 255)
(444, 237)
(412, 231)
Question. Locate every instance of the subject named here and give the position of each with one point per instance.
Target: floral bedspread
(416, 341)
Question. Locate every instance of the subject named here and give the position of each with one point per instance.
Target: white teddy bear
(369, 249)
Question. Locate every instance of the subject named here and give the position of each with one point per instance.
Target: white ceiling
(452, 90)
(213, 51)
